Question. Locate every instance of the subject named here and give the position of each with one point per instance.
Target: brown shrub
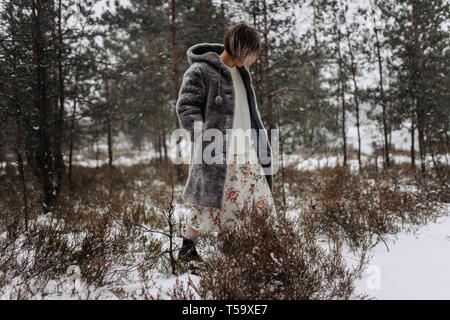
(350, 208)
(270, 257)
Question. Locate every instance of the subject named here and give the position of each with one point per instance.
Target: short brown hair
(242, 42)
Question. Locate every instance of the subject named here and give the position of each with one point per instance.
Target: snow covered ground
(417, 266)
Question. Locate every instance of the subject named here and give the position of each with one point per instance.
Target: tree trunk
(20, 166)
(72, 127)
(383, 103)
(413, 129)
(173, 26)
(267, 81)
(342, 91)
(166, 156)
(355, 92)
(418, 101)
(59, 160)
(109, 124)
(421, 137)
(43, 152)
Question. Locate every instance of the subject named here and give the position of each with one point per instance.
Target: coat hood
(210, 53)
(206, 52)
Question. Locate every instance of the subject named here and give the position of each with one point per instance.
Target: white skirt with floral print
(245, 184)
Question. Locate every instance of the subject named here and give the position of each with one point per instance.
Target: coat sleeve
(191, 99)
(269, 177)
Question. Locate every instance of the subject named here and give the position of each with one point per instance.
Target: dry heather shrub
(343, 210)
(49, 250)
(269, 257)
(103, 249)
(107, 222)
(346, 207)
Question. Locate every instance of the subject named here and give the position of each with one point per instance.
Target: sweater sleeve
(191, 99)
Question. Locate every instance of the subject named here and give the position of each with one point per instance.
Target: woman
(217, 93)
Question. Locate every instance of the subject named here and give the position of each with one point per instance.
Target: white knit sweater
(241, 134)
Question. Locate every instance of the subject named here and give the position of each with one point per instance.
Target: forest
(90, 199)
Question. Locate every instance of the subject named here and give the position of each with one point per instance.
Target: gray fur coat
(207, 95)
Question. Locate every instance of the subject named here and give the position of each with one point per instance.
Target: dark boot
(188, 252)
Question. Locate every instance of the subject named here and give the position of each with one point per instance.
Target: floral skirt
(245, 186)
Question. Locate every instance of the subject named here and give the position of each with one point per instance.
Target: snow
(416, 266)
(165, 285)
